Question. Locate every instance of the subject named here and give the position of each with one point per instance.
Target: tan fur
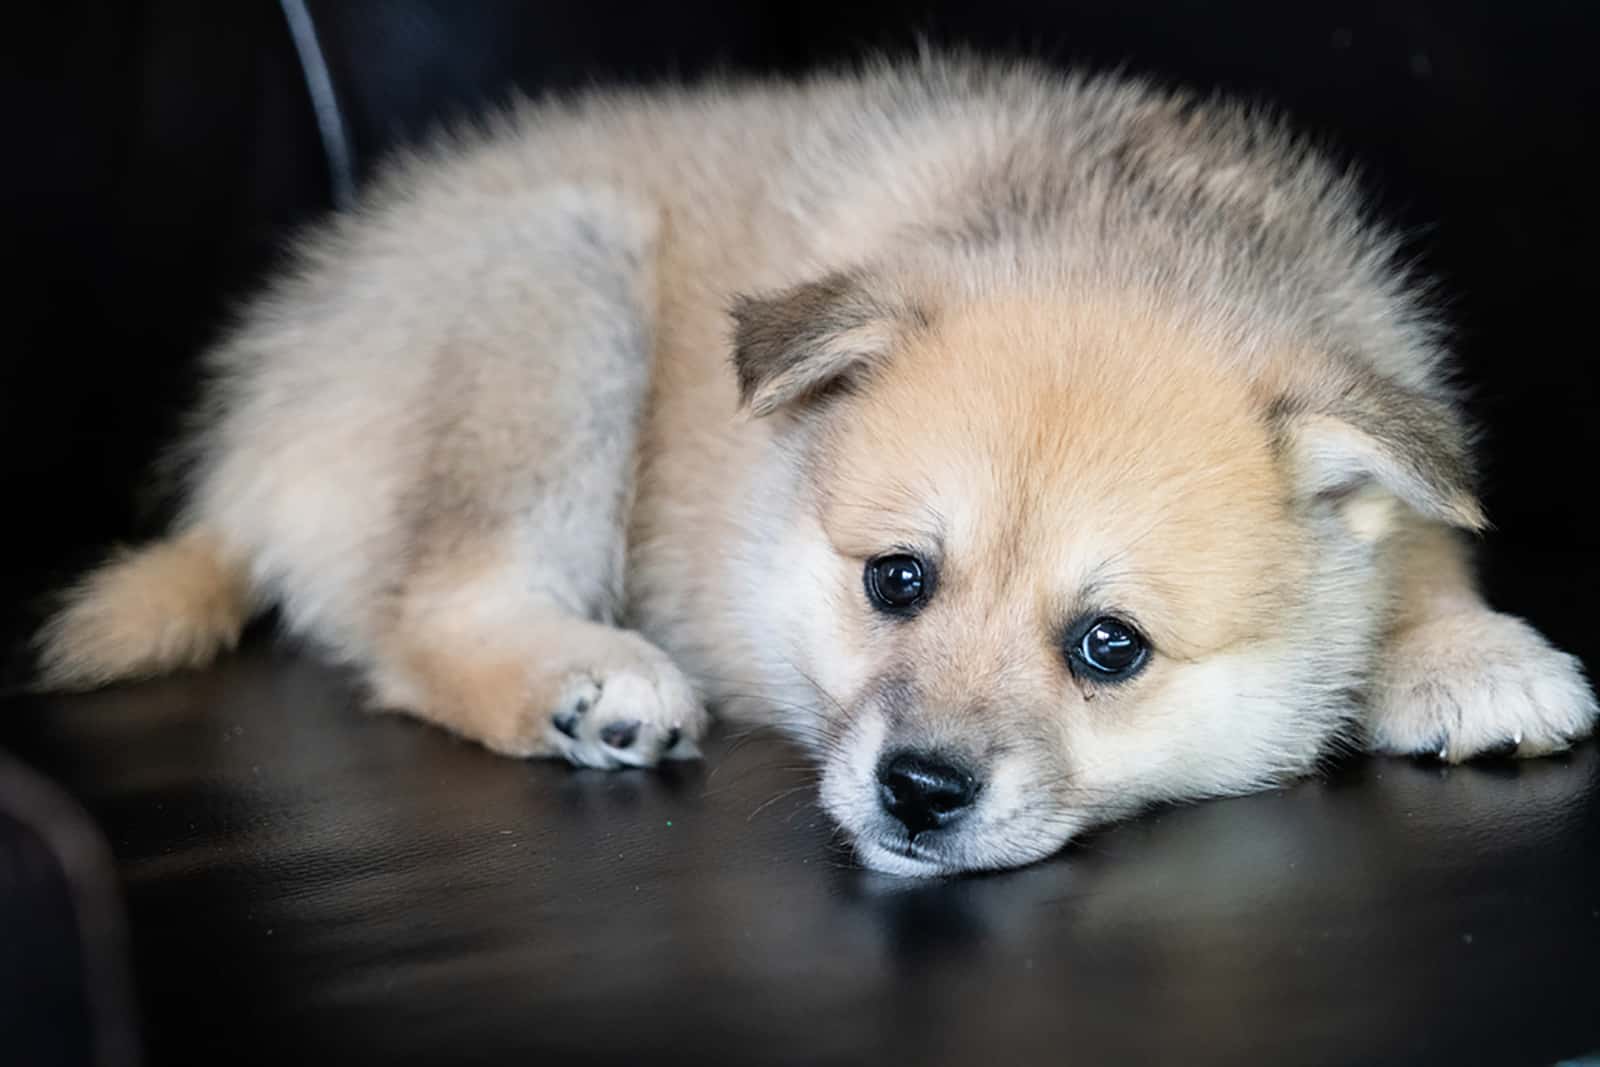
(462, 654)
(598, 416)
(1034, 441)
(166, 607)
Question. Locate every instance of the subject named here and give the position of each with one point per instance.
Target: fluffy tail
(172, 604)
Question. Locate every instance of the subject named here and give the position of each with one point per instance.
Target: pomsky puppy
(1030, 447)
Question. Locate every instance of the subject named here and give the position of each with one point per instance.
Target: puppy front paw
(1478, 683)
(626, 714)
(591, 694)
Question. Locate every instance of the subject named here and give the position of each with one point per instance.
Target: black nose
(923, 790)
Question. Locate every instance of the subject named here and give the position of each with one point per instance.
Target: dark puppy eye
(1107, 649)
(898, 584)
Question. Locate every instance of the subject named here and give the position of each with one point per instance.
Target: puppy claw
(1432, 750)
(1504, 750)
(682, 747)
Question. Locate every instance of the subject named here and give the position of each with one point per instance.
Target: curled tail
(175, 603)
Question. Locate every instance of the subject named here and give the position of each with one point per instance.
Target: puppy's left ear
(796, 346)
(1372, 432)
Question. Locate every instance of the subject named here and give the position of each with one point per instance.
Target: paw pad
(620, 734)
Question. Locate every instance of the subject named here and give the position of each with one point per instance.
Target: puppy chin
(969, 855)
(878, 858)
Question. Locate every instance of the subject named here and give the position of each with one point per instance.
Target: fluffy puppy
(1031, 447)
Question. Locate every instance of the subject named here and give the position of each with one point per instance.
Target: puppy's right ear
(1363, 430)
(802, 343)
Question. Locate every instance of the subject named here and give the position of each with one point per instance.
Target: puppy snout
(925, 790)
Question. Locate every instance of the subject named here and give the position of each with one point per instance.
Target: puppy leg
(1459, 679)
(525, 676)
(498, 625)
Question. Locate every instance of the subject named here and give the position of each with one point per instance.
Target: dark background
(159, 152)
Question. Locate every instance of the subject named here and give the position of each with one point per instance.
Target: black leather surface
(43, 989)
(65, 996)
(307, 883)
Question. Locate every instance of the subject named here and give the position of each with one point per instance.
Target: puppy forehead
(1033, 409)
(1092, 449)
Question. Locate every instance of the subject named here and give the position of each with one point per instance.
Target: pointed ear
(1374, 433)
(799, 344)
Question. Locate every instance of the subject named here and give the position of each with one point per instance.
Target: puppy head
(1057, 560)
